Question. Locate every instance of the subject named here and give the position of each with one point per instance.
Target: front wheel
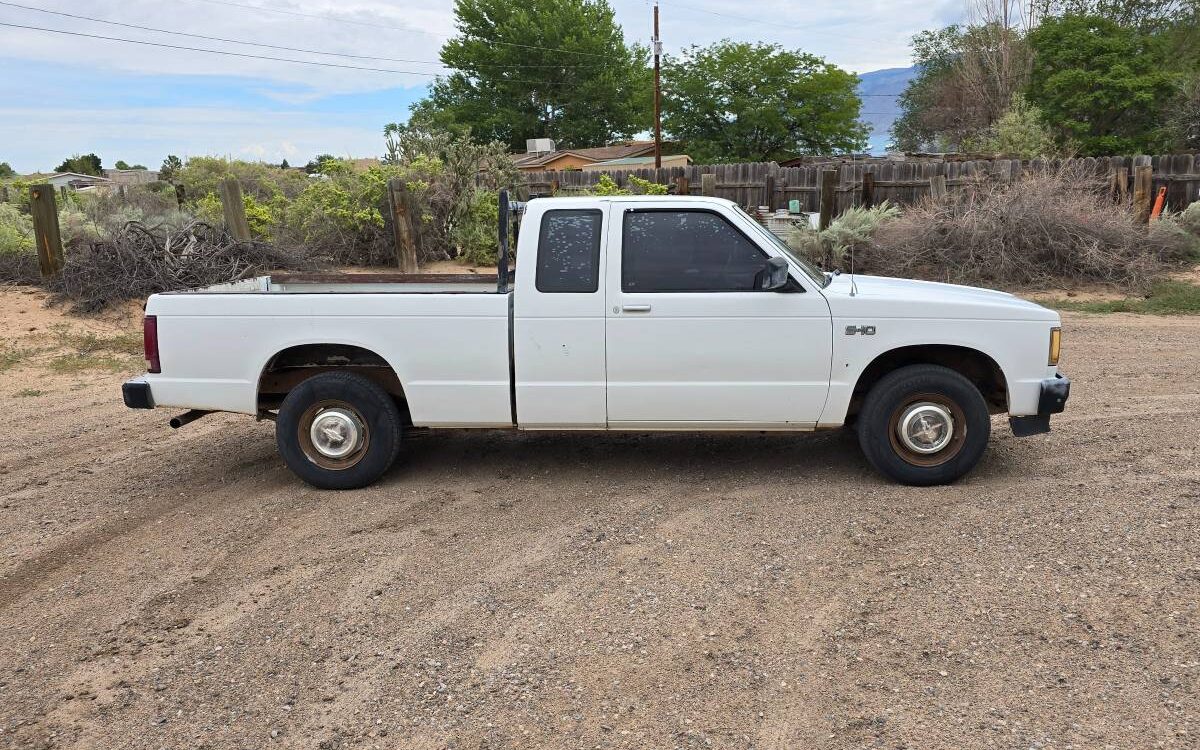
(924, 425)
(338, 431)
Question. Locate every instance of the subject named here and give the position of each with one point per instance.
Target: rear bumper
(1053, 400)
(137, 394)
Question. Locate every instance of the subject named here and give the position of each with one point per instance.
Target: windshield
(813, 272)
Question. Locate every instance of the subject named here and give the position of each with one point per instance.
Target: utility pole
(657, 94)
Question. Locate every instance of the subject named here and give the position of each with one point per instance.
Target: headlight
(1055, 345)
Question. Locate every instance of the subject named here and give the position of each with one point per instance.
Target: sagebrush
(1046, 229)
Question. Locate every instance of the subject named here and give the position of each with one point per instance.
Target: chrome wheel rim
(333, 435)
(336, 433)
(925, 427)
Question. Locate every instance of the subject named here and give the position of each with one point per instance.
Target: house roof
(52, 175)
(598, 153)
(636, 160)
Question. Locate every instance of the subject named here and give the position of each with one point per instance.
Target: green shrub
(475, 238)
(608, 186)
(18, 256)
(849, 232)
(16, 230)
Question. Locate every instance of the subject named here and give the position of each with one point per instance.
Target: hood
(906, 298)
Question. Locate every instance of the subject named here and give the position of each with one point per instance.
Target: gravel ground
(177, 589)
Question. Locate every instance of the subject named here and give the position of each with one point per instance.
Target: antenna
(657, 44)
(853, 286)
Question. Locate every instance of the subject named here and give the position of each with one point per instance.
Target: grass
(79, 362)
(28, 393)
(90, 343)
(1165, 298)
(11, 356)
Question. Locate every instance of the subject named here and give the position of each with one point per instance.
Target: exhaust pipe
(188, 417)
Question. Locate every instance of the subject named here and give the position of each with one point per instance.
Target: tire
(921, 397)
(360, 421)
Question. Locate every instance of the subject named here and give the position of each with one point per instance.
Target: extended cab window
(686, 251)
(569, 251)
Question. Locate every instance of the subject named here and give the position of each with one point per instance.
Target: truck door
(558, 318)
(689, 340)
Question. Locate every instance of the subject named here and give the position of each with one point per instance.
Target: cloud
(148, 134)
(140, 102)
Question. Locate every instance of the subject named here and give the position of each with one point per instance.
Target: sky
(62, 94)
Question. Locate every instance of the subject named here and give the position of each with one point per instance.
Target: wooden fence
(901, 182)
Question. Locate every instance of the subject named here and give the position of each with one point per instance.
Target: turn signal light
(1055, 344)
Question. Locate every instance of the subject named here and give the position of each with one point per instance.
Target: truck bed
(357, 283)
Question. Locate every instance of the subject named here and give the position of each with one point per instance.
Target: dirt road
(183, 590)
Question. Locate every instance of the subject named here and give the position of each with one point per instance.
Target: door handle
(636, 308)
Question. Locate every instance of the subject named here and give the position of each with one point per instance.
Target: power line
(749, 19)
(337, 19)
(270, 46)
(252, 56)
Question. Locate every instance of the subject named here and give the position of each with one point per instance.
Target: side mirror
(774, 276)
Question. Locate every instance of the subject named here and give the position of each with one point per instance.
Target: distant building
(69, 180)
(131, 176)
(541, 155)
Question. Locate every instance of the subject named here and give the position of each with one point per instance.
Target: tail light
(150, 343)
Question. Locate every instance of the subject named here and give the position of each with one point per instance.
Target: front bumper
(137, 394)
(1053, 400)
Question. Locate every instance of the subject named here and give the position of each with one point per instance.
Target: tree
(121, 164)
(1020, 132)
(1103, 86)
(284, 164)
(543, 68)
(1185, 120)
(965, 81)
(318, 163)
(170, 168)
(85, 164)
(736, 101)
(6, 170)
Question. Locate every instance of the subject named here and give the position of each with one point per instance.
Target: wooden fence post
(868, 190)
(402, 228)
(234, 205)
(769, 193)
(708, 184)
(937, 187)
(681, 186)
(829, 181)
(1123, 185)
(1143, 185)
(46, 233)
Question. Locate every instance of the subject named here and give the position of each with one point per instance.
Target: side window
(569, 251)
(686, 251)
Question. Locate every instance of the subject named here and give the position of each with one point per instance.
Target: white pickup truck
(623, 313)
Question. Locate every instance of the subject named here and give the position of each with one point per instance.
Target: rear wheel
(338, 431)
(924, 425)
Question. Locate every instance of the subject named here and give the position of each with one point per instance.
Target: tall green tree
(81, 164)
(966, 78)
(1106, 87)
(543, 68)
(169, 170)
(736, 101)
(6, 170)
